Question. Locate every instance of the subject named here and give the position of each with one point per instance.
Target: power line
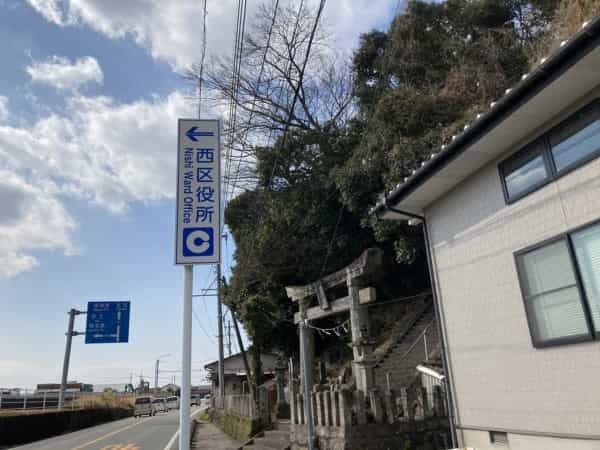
(258, 82)
(298, 84)
(202, 57)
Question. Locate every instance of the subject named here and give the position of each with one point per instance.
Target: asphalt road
(145, 433)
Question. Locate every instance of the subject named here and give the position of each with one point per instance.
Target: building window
(560, 282)
(586, 244)
(567, 146)
(526, 172)
(499, 437)
(577, 139)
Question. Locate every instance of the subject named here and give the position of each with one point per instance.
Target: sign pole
(198, 229)
(65, 369)
(186, 358)
(220, 319)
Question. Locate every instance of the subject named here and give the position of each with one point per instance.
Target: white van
(173, 402)
(143, 406)
(160, 404)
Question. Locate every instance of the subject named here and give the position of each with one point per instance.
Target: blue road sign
(107, 322)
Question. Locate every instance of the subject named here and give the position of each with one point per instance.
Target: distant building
(235, 372)
(72, 386)
(201, 390)
(111, 387)
(170, 388)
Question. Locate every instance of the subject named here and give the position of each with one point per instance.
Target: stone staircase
(407, 348)
(276, 439)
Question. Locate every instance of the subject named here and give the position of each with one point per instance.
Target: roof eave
(549, 69)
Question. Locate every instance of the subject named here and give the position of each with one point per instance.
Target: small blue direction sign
(107, 322)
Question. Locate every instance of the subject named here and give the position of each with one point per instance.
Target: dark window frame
(499, 437)
(526, 152)
(592, 335)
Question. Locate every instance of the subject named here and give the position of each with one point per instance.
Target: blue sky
(90, 91)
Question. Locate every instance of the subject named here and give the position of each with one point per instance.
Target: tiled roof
(497, 109)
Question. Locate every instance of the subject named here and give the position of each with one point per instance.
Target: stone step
(273, 444)
(282, 425)
(262, 447)
(279, 434)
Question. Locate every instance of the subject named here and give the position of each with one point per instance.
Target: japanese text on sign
(198, 193)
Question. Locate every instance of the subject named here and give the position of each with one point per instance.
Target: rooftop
(558, 80)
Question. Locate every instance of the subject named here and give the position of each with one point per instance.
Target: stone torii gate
(357, 277)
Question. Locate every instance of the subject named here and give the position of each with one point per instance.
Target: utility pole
(229, 338)
(156, 368)
(220, 337)
(65, 370)
(244, 357)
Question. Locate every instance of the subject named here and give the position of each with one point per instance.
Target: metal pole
(220, 320)
(306, 370)
(65, 370)
(186, 359)
(229, 338)
(156, 374)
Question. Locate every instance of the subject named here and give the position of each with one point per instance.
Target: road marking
(107, 435)
(171, 443)
(122, 447)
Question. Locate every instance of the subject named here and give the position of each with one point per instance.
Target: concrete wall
(503, 382)
(22, 428)
(234, 425)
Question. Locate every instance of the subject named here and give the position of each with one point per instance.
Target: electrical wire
(298, 84)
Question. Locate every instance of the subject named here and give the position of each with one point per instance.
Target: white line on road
(170, 444)
(112, 433)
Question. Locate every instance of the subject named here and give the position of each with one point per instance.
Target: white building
(511, 213)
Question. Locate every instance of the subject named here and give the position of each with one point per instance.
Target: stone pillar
(307, 347)
(376, 405)
(406, 413)
(327, 404)
(361, 407)
(345, 402)
(362, 365)
(390, 408)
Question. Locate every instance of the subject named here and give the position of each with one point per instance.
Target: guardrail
(41, 401)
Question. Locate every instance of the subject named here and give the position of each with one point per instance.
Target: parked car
(143, 406)
(160, 404)
(195, 400)
(173, 403)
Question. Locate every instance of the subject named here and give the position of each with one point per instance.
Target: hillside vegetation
(305, 211)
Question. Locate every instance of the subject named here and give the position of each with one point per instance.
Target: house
(511, 216)
(170, 389)
(201, 390)
(235, 372)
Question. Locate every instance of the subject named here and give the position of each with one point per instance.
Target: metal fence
(32, 400)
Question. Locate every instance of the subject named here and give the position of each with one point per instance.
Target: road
(146, 433)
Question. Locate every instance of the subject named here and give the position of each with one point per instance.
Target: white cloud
(63, 74)
(52, 10)
(171, 30)
(101, 151)
(31, 219)
(3, 108)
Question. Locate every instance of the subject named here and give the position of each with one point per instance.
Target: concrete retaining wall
(24, 428)
(238, 427)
